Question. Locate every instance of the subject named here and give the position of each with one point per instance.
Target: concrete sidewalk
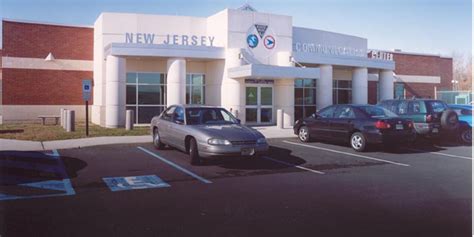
(19, 145)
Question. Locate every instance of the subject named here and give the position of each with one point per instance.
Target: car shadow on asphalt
(279, 158)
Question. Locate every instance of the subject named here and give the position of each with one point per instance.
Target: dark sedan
(359, 125)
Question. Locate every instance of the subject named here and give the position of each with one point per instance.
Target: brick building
(43, 65)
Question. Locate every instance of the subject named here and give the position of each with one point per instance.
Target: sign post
(86, 95)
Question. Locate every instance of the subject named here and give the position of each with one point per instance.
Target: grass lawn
(38, 132)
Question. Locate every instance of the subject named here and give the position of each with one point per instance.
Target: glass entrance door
(259, 104)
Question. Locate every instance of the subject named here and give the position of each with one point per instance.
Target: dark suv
(431, 117)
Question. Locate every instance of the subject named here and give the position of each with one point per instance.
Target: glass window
(131, 94)
(416, 107)
(437, 106)
(344, 112)
(195, 89)
(402, 107)
(145, 94)
(376, 111)
(131, 77)
(251, 115)
(179, 114)
(168, 114)
(266, 115)
(149, 94)
(209, 116)
(251, 96)
(342, 92)
(150, 78)
(305, 97)
(148, 112)
(327, 112)
(267, 96)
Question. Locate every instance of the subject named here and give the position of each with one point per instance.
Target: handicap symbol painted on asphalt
(134, 182)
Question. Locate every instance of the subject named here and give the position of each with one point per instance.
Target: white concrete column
(233, 90)
(176, 81)
(115, 91)
(324, 87)
(386, 84)
(285, 100)
(360, 86)
(284, 90)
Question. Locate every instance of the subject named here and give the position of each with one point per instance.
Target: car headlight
(261, 140)
(216, 141)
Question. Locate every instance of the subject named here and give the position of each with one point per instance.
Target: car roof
(186, 106)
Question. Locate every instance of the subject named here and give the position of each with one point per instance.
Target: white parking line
(296, 166)
(176, 166)
(347, 153)
(441, 154)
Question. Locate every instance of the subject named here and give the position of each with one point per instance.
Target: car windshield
(196, 116)
(377, 112)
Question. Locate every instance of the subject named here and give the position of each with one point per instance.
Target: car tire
(303, 134)
(358, 141)
(449, 120)
(193, 152)
(466, 136)
(156, 140)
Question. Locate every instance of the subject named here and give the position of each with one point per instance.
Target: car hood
(466, 118)
(231, 132)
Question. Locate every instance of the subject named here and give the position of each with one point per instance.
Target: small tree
(462, 71)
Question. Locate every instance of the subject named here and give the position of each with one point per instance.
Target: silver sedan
(204, 131)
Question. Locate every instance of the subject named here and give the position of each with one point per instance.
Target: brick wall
(43, 87)
(424, 65)
(37, 40)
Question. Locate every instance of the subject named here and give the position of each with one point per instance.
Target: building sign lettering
(328, 49)
(149, 38)
(380, 55)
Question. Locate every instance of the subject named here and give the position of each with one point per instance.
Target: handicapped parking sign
(134, 182)
(86, 89)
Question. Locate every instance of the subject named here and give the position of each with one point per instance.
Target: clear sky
(424, 26)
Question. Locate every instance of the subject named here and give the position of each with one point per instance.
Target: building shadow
(22, 167)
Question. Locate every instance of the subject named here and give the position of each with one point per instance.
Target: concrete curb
(19, 145)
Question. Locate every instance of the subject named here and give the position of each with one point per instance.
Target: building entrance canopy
(261, 71)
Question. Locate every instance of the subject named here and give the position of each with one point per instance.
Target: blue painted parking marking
(43, 163)
(176, 166)
(134, 182)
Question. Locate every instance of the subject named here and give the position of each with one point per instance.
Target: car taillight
(429, 118)
(382, 125)
(410, 124)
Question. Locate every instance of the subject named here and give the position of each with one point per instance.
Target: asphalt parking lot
(311, 189)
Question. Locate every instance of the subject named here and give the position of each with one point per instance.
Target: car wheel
(156, 140)
(358, 141)
(449, 120)
(193, 152)
(466, 136)
(303, 134)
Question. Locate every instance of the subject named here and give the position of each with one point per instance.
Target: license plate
(435, 130)
(247, 151)
(399, 126)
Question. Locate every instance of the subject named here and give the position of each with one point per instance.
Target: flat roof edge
(45, 23)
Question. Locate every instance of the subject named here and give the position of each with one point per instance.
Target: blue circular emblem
(252, 41)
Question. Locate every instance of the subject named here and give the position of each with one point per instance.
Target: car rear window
(377, 112)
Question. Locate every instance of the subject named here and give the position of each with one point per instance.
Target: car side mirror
(315, 115)
(238, 121)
